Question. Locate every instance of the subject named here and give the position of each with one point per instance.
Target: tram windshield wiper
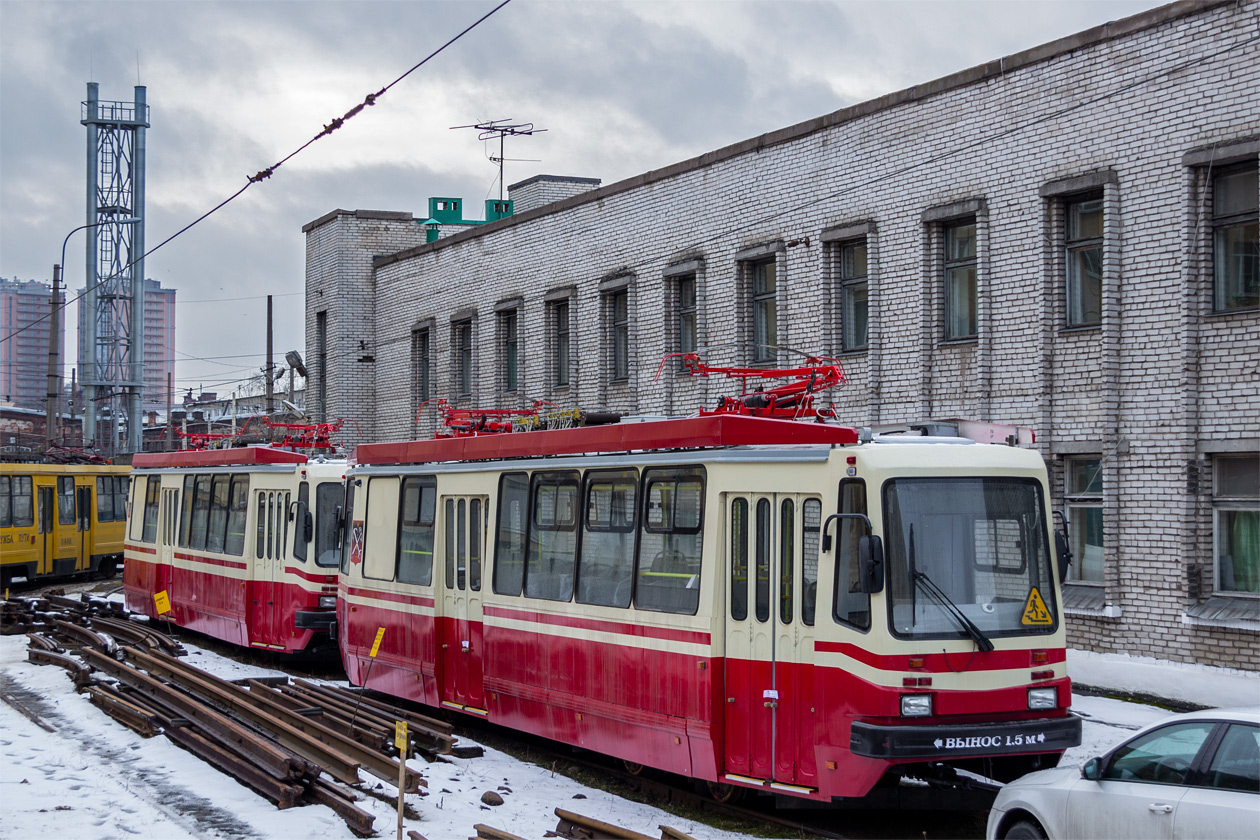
(969, 627)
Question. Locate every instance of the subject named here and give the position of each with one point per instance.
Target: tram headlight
(328, 601)
(916, 705)
(1043, 698)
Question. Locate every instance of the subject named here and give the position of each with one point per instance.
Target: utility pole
(53, 406)
(271, 395)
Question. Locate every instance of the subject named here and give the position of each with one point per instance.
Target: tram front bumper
(323, 621)
(941, 742)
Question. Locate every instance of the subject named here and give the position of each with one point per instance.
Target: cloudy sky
(621, 87)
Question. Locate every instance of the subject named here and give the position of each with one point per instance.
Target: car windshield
(967, 548)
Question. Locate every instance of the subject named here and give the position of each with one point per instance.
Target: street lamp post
(52, 409)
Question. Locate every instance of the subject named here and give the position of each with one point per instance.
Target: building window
(619, 333)
(765, 305)
(508, 345)
(1236, 239)
(420, 365)
(462, 341)
(960, 279)
(560, 335)
(1084, 249)
(853, 306)
(1085, 515)
(1236, 509)
(686, 314)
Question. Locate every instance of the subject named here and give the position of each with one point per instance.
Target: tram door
(46, 518)
(772, 564)
(266, 604)
(463, 540)
(83, 512)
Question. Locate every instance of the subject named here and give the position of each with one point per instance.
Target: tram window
(111, 498)
(606, 564)
(200, 512)
(509, 553)
(121, 485)
(415, 531)
(474, 545)
(461, 539)
(739, 559)
(151, 509)
(286, 515)
(449, 553)
(216, 530)
(328, 496)
(811, 519)
(787, 558)
(271, 523)
(65, 500)
(260, 538)
(851, 605)
(301, 537)
(668, 577)
(16, 509)
(549, 566)
(762, 586)
(380, 542)
(347, 525)
(186, 505)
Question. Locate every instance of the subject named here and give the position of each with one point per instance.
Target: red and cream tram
(794, 608)
(242, 544)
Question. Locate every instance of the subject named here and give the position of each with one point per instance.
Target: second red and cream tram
(786, 607)
(239, 544)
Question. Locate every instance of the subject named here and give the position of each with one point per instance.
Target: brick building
(1064, 238)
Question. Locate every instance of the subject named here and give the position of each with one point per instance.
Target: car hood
(1045, 778)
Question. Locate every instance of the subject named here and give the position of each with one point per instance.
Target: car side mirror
(1092, 769)
(871, 564)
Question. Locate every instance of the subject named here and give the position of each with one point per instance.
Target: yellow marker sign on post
(376, 645)
(400, 741)
(162, 601)
(1035, 611)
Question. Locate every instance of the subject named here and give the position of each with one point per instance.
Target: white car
(1190, 776)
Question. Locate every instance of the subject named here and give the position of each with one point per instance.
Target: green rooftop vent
(448, 211)
(498, 209)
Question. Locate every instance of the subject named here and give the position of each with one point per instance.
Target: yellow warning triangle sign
(1035, 611)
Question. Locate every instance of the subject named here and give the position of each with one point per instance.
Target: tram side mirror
(1062, 548)
(306, 522)
(871, 564)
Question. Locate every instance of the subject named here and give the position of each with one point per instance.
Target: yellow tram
(61, 519)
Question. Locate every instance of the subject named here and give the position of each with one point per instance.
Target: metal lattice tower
(113, 363)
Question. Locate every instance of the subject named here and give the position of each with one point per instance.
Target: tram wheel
(632, 767)
(724, 793)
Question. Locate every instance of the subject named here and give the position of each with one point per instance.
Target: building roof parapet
(995, 68)
(380, 215)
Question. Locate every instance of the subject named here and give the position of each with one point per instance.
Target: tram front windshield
(960, 549)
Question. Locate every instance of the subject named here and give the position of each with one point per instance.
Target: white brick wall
(1143, 390)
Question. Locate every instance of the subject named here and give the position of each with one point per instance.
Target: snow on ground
(1202, 685)
(94, 779)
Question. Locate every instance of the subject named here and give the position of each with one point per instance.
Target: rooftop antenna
(491, 129)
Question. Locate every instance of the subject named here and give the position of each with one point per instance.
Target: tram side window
(200, 512)
(852, 606)
(811, 520)
(415, 531)
(328, 497)
(474, 544)
(670, 541)
(217, 529)
(606, 564)
(16, 509)
(151, 496)
(238, 511)
(762, 571)
(739, 559)
(787, 558)
(186, 506)
(552, 554)
(348, 536)
(381, 537)
(260, 538)
(111, 498)
(65, 500)
(509, 554)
